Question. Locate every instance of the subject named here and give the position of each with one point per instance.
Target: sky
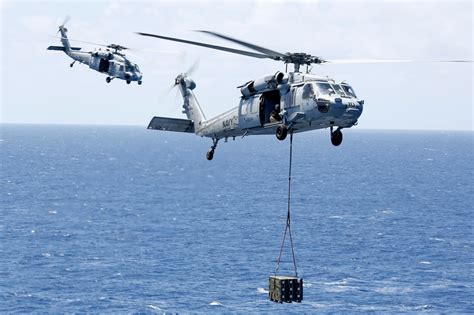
(38, 86)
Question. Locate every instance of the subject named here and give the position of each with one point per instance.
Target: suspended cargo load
(285, 289)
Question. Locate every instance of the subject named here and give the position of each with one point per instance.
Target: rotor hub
(301, 59)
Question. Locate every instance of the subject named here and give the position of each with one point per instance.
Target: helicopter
(110, 61)
(277, 104)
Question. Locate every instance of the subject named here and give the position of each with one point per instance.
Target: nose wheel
(336, 136)
(108, 79)
(210, 152)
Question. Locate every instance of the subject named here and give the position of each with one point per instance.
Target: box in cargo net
(285, 289)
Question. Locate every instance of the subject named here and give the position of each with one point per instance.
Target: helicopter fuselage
(109, 61)
(273, 104)
(113, 64)
(304, 102)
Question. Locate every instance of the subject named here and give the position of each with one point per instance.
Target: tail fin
(191, 105)
(64, 39)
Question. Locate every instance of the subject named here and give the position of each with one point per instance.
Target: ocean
(103, 219)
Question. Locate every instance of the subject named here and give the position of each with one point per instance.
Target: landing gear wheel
(281, 132)
(210, 154)
(128, 81)
(139, 82)
(108, 79)
(336, 137)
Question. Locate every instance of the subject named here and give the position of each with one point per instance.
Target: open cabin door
(104, 65)
(270, 105)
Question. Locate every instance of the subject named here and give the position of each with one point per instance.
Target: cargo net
(288, 220)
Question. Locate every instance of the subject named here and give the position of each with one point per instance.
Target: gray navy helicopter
(110, 61)
(274, 104)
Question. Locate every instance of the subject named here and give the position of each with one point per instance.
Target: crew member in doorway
(275, 114)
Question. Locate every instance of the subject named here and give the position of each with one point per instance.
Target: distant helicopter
(274, 104)
(110, 61)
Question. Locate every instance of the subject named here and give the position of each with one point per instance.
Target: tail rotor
(187, 73)
(178, 80)
(63, 24)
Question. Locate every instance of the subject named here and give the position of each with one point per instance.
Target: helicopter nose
(355, 108)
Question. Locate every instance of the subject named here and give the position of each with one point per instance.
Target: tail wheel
(210, 154)
(281, 132)
(336, 138)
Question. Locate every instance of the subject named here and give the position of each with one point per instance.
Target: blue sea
(101, 219)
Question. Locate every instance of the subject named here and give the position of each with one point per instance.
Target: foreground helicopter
(274, 104)
(110, 61)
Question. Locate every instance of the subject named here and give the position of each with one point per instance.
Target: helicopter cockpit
(131, 67)
(329, 88)
(348, 89)
(324, 88)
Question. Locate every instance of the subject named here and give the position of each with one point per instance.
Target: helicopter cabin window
(324, 88)
(349, 90)
(243, 109)
(121, 68)
(254, 106)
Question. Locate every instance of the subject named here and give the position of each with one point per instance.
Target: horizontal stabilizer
(61, 48)
(171, 124)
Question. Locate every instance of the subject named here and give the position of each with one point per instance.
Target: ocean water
(123, 219)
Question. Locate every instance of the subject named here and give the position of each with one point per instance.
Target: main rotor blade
(81, 41)
(173, 52)
(231, 50)
(248, 45)
(360, 61)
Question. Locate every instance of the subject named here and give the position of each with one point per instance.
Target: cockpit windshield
(338, 89)
(324, 87)
(136, 68)
(348, 90)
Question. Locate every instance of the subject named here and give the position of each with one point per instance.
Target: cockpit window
(308, 91)
(323, 87)
(338, 89)
(137, 69)
(349, 90)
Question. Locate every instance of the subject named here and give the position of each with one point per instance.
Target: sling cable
(286, 288)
